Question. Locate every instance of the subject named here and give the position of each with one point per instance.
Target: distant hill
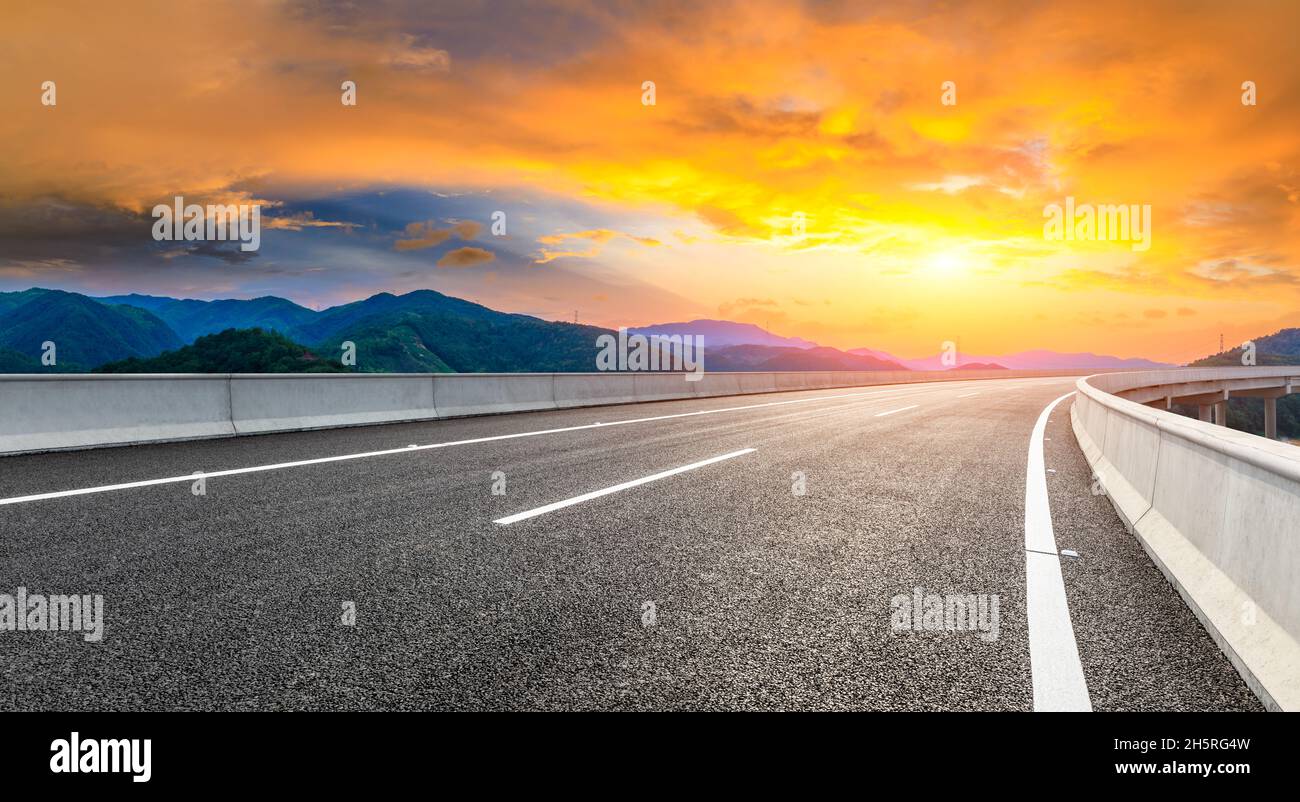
(437, 341)
(723, 333)
(422, 331)
(1247, 414)
(13, 300)
(13, 362)
(338, 318)
(85, 332)
(151, 303)
(882, 355)
(761, 357)
(191, 319)
(1037, 360)
(1279, 348)
(981, 366)
(232, 351)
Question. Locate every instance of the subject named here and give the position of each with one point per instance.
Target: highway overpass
(699, 549)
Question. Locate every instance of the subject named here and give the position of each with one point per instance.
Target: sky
(859, 174)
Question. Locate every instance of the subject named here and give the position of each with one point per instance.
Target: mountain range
(726, 333)
(420, 331)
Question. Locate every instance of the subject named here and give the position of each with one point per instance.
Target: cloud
(301, 220)
(950, 185)
(407, 54)
(729, 307)
(466, 257)
(598, 237)
(1241, 274)
(420, 235)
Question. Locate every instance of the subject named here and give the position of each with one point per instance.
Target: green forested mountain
(13, 300)
(232, 351)
(193, 319)
(438, 342)
(85, 332)
(13, 362)
(1247, 414)
(347, 316)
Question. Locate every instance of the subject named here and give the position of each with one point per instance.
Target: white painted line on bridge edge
(967, 395)
(1054, 664)
(892, 411)
(569, 502)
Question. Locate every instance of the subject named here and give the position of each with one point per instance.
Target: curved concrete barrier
(276, 403)
(43, 413)
(1217, 510)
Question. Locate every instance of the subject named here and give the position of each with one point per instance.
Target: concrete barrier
(664, 386)
(1216, 509)
(64, 411)
(276, 403)
(756, 382)
(593, 389)
(42, 413)
(714, 384)
(460, 394)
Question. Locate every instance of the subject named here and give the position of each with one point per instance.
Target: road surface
(649, 556)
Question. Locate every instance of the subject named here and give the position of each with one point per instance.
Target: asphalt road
(762, 597)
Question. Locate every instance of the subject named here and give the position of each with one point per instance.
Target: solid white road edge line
(893, 392)
(892, 411)
(1053, 652)
(569, 502)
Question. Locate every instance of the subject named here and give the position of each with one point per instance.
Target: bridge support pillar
(1204, 412)
(1221, 413)
(1269, 395)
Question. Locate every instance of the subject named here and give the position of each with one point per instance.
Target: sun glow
(946, 263)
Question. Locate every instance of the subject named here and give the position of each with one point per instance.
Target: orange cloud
(597, 236)
(424, 235)
(466, 257)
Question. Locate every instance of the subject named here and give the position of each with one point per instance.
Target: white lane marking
(892, 411)
(903, 390)
(967, 395)
(569, 502)
(1053, 652)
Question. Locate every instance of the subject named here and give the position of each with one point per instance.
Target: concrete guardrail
(1217, 510)
(50, 412)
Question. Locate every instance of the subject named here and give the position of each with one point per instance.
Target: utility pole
(575, 317)
(1220, 342)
